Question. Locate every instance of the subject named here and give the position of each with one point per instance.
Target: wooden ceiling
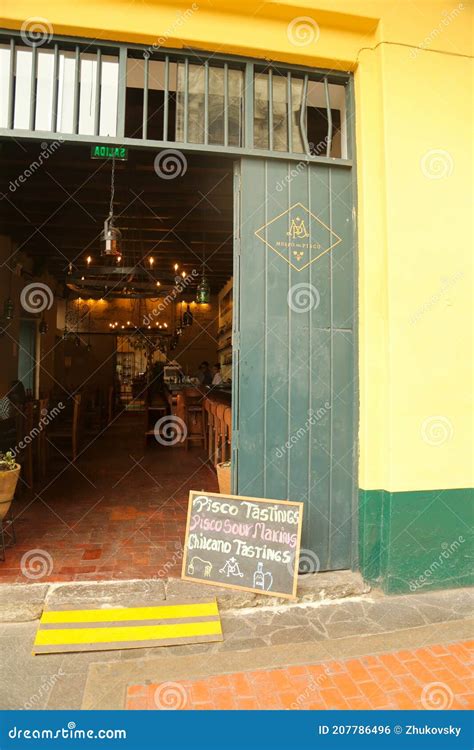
(56, 212)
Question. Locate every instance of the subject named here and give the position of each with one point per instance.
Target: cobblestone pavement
(426, 678)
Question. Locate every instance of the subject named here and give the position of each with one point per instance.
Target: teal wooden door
(294, 348)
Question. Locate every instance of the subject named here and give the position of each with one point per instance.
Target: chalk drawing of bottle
(262, 580)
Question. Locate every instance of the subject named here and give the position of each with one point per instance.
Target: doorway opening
(134, 366)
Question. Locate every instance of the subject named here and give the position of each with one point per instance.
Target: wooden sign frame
(236, 587)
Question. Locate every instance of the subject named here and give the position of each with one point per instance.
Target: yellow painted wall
(414, 129)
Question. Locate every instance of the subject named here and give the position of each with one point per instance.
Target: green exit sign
(99, 151)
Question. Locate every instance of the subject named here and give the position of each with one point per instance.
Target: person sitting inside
(205, 374)
(217, 379)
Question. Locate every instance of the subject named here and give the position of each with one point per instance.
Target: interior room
(116, 339)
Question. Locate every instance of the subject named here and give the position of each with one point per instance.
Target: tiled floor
(119, 513)
(426, 678)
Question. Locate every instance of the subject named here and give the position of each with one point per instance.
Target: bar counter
(221, 395)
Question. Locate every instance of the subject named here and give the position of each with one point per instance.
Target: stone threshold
(107, 683)
(23, 602)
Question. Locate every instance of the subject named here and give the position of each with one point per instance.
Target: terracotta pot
(224, 478)
(8, 481)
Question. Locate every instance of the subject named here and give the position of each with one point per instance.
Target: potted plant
(9, 473)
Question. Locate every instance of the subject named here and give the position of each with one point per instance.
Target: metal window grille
(133, 95)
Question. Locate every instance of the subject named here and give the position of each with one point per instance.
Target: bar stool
(227, 433)
(205, 414)
(194, 416)
(219, 435)
(210, 407)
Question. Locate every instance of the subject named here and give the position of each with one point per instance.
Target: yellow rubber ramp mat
(168, 624)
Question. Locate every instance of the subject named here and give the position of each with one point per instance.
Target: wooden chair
(153, 412)
(93, 408)
(68, 431)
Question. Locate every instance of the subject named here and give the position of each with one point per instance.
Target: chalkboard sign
(243, 542)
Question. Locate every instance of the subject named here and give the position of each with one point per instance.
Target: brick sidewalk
(426, 678)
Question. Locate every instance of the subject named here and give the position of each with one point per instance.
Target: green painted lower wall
(416, 541)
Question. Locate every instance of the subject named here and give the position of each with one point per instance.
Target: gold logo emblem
(297, 229)
(298, 236)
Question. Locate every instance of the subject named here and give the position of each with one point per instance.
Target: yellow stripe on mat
(128, 627)
(118, 634)
(170, 612)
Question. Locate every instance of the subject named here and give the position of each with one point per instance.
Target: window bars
(141, 96)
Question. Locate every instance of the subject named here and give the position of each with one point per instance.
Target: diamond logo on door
(298, 236)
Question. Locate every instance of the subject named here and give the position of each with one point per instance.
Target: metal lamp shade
(111, 237)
